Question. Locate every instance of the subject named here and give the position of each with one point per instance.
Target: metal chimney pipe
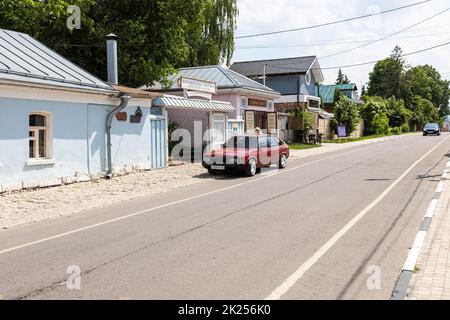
(111, 49)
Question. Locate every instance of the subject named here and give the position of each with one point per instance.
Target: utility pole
(264, 74)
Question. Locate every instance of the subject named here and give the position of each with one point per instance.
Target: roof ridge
(253, 81)
(275, 59)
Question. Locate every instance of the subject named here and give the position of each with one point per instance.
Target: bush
(396, 130)
(346, 113)
(375, 115)
(405, 128)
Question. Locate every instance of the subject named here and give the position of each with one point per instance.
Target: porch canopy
(174, 102)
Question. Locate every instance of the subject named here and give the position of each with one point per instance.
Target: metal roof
(327, 91)
(173, 102)
(223, 77)
(23, 58)
(279, 67)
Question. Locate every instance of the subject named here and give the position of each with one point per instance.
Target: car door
(274, 145)
(264, 154)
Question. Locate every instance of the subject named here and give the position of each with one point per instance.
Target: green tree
(346, 113)
(386, 79)
(423, 112)
(363, 91)
(398, 114)
(425, 81)
(342, 78)
(155, 36)
(375, 115)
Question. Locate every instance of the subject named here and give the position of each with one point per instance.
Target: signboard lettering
(197, 85)
(250, 120)
(257, 103)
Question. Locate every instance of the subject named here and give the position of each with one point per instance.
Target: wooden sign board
(272, 121)
(257, 103)
(249, 120)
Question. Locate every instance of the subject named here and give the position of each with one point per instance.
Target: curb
(401, 288)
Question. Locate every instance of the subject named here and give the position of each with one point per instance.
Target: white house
(55, 119)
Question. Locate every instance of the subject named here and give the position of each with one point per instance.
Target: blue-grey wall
(78, 140)
(287, 84)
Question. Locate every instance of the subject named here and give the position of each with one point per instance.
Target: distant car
(247, 153)
(431, 128)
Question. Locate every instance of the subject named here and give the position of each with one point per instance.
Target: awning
(173, 102)
(322, 113)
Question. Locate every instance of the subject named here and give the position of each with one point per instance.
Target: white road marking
(431, 208)
(57, 236)
(298, 274)
(440, 187)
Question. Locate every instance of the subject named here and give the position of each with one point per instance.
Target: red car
(247, 153)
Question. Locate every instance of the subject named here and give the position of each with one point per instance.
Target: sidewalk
(330, 147)
(431, 278)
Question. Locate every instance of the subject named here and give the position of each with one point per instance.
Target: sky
(259, 16)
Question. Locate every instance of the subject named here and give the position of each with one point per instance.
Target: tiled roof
(23, 58)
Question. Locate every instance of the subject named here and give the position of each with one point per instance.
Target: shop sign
(249, 120)
(197, 85)
(257, 103)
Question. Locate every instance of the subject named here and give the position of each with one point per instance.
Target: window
(274, 142)
(262, 142)
(38, 132)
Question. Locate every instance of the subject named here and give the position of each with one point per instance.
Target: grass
(375, 136)
(301, 146)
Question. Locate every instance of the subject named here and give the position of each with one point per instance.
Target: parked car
(248, 153)
(431, 128)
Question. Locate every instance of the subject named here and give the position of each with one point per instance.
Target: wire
(331, 42)
(386, 37)
(332, 23)
(366, 63)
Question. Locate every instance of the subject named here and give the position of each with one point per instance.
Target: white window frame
(37, 160)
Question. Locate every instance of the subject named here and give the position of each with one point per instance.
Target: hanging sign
(197, 85)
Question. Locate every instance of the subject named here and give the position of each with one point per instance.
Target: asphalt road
(306, 230)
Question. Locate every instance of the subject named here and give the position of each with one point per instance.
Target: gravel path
(31, 206)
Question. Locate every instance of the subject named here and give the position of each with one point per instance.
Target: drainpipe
(123, 104)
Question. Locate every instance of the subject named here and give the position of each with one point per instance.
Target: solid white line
(298, 274)
(431, 208)
(410, 263)
(420, 238)
(440, 187)
(175, 202)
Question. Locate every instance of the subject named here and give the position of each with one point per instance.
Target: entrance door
(219, 126)
(158, 143)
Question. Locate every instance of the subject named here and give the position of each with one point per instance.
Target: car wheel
(283, 162)
(424, 134)
(211, 171)
(251, 169)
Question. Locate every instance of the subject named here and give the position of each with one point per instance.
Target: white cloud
(271, 15)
